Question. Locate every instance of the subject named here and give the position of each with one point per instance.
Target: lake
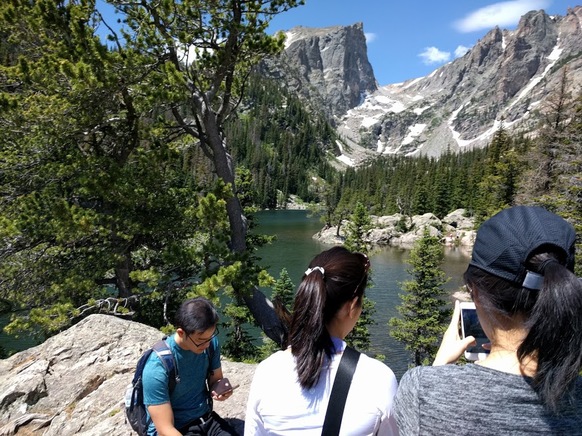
(295, 247)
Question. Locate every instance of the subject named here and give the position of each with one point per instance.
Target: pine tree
(357, 228)
(423, 319)
(283, 290)
(569, 186)
(498, 187)
(101, 190)
(545, 162)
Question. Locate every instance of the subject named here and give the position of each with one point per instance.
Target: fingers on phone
(470, 340)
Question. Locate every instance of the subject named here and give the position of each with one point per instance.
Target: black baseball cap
(507, 240)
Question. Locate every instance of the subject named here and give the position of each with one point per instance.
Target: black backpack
(135, 409)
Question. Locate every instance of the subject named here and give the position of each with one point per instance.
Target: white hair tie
(310, 270)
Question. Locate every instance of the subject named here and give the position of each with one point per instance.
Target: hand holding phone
(470, 326)
(222, 386)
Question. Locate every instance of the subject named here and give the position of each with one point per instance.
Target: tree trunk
(260, 306)
(122, 279)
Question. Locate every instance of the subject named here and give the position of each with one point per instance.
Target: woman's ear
(354, 307)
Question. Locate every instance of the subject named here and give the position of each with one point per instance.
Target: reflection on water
(294, 248)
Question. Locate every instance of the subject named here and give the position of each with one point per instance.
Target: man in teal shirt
(196, 351)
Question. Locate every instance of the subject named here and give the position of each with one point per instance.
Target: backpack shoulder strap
(167, 358)
(210, 354)
(339, 392)
(140, 365)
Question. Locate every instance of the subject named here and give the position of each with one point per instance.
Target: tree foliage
(423, 316)
(282, 144)
(359, 225)
(199, 55)
(283, 291)
(104, 191)
(498, 186)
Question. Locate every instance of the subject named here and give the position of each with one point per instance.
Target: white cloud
(501, 14)
(432, 55)
(370, 37)
(461, 50)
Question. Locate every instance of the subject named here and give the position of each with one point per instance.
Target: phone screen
(472, 327)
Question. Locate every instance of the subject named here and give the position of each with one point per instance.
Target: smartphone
(470, 326)
(222, 386)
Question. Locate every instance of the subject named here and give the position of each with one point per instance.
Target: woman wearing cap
(291, 389)
(529, 304)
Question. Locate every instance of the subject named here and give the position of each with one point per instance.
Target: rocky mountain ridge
(508, 78)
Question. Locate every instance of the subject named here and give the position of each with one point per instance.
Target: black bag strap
(210, 355)
(164, 353)
(339, 392)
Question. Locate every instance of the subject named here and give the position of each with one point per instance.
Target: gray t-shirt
(474, 400)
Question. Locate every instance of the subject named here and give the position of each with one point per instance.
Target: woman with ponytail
(529, 303)
(290, 390)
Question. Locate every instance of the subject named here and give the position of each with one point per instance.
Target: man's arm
(214, 376)
(163, 418)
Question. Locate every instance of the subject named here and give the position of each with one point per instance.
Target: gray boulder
(455, 229)
(73, 383)
(457, 219)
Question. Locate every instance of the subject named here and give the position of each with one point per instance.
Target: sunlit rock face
(508, 79)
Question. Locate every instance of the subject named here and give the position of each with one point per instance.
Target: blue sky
(408, 39)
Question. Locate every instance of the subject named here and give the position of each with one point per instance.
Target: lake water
(295, 247)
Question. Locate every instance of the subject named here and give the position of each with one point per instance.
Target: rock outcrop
(73, 383)
(328, 66)
(455, 229)
(508, 78)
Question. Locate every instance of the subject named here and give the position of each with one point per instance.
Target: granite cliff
(509, 78)
(328, 67)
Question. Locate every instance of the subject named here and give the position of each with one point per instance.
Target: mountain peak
(506, 79)
(329, 66)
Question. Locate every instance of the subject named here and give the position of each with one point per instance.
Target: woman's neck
(503, 354)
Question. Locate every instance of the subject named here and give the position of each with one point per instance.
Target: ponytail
(555, 331)
(334, 277)
(309, 339)
(553, 320)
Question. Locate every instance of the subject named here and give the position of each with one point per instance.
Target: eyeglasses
(215, 334)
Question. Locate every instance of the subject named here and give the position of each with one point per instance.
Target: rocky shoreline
(455, 230)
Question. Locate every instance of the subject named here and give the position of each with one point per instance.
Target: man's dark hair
(196, 315)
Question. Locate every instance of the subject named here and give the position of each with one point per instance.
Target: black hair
(196, 315)
(553, 319)
(319, 297)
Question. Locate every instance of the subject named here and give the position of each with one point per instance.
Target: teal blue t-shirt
(189, 399)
